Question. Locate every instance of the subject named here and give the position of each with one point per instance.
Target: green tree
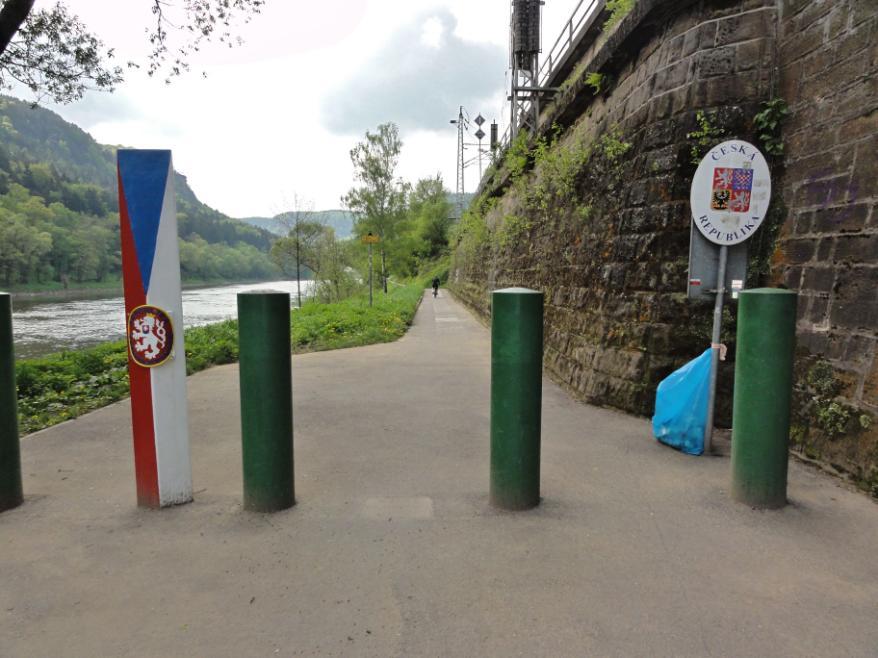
(334, 277)
(292, 252)
(379, 202)
(55, 55)
(431, 214)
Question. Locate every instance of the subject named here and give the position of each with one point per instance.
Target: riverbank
(62, 386)
(112, 287)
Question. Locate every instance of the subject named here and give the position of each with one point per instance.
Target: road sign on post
(370, 239)
(730, 195)
(703, 265)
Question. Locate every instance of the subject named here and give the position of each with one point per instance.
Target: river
(45, 324)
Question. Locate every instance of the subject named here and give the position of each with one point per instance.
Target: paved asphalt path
(392, 550)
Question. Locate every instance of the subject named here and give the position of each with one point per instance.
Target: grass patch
(352, 323)
(62, 386)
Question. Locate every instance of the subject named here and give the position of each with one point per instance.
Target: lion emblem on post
(150, 336)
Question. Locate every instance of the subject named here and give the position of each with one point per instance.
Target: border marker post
(11, 494)
(763, 395)
(516, 397)
(266, 400)
(154, 312)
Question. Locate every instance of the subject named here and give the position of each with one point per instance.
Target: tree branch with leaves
(56, 56)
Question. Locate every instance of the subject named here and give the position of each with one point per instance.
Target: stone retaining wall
(599, 218)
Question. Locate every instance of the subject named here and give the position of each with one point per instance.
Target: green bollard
(266, 400)
(763, 394)
(10, 456)
(516, 397)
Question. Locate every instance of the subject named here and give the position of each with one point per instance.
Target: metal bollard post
(763, 393)
(516, 397)
(266, 400)
(10, 456)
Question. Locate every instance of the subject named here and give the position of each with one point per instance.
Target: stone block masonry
(597, 215)
(828, 248)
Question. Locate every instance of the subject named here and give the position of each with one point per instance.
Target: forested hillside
(59, 211)
(340, 221)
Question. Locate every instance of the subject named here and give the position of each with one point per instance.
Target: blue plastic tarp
(681, 406)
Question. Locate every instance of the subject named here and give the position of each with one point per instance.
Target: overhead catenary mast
(460, 189)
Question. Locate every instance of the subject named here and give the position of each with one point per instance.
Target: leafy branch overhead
(55, 55)
(202, 20)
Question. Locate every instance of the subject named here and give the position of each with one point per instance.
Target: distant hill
(59, 210)
(342, 222)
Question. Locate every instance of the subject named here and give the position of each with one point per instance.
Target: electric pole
(461, 183)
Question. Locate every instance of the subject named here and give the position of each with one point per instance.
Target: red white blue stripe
(151, 272)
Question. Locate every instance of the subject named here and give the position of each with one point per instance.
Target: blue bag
(681, 406)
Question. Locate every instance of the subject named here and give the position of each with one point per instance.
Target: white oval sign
(730, 193)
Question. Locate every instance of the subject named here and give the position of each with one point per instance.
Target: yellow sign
(370, 239)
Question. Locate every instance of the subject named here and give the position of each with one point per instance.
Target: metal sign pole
(730, 196)
(370, 274)
(715, 345)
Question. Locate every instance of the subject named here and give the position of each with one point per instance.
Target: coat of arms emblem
(732, 189)
(150, 336)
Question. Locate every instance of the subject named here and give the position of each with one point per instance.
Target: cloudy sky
(277, 116)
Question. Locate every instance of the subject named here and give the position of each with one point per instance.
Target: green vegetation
(823, 409)
(63, 386)
(822, 420)
(410, 223)
(573, 78)
(353, 323)
(769, 124)
(705, 137)
(511, 229)
(471, 233)
(518, 155)
(59, 212)
(550, 187)
(618, 9)
(613, 146)
(769, 127)
(379, 201)
(600, 83)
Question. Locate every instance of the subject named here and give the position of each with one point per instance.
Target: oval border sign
(731, 192)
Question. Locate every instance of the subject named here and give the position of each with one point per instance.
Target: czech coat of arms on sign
(150, 336)
(731, 192)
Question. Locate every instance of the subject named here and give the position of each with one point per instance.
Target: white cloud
(416, 82)
(253, 132)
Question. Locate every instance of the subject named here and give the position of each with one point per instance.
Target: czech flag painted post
(154, 314)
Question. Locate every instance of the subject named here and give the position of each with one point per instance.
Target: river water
(42, 325)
